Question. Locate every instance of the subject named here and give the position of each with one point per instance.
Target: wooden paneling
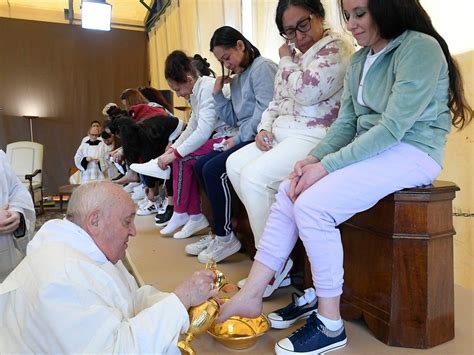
(65, 75)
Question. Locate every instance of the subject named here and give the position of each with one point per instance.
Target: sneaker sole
(340, 344)
(171, 233)
(145, 214)
(269, 290)
(201, 231)
(193, 252)
(283, 324)
(161, 224)
(228, 253)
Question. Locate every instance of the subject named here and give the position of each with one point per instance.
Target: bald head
(106, 213)
(95, 195)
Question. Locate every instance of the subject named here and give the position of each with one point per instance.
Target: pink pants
(186, 196)
(332, 200)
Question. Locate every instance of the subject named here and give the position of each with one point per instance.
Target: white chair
(26, 160)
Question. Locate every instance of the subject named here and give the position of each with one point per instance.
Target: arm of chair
(31, 176)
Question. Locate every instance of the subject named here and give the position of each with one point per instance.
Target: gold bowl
(240, 332)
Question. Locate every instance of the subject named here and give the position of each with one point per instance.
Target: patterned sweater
(308, 87)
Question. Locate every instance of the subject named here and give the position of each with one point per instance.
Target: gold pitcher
(202, 316)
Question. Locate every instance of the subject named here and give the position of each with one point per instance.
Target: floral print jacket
(308, 87)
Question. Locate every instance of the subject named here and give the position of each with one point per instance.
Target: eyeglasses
(303, 26)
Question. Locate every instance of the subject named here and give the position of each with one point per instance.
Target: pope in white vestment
(14, 197)
(72, 293)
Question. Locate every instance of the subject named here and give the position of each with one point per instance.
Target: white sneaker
(138, 193)
(281, 279)
(129, 187)
(162, 203)
(219, 250)
(192, 227)
(148, 209)
(151, 168)
(143, 202)
(197, 247)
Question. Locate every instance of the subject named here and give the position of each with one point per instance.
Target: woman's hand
(166, 159)
(197, 289)
(264, 140)
(117, 155)
(219, 83)
(227, 144)
(285, 51)
(305, 173)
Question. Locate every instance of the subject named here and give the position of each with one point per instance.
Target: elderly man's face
(116, 226)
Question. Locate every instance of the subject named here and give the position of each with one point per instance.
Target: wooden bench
(398, 267)
(398, 264)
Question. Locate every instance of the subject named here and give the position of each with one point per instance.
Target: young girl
(389, 135)
(251, 91)
(184, 79)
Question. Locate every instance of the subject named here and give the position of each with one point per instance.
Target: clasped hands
(305, 173)
(9, 220)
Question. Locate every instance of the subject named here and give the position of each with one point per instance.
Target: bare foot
(241, 304)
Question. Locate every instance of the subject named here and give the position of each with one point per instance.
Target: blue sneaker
(299, 308)
(313, 338)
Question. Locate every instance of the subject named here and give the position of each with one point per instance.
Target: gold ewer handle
(202, 316)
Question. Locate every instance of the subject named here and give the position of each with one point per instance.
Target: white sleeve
(78, 320)
(80, 154)
(205, 117)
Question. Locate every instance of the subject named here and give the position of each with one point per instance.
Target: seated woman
(251, 90)
(389, 135)
(308, 88)
(144, 140)
(155, 96)
(90, 157)
(138, 106)
(184, 78)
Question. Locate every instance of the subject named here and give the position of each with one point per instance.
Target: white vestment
(94, 170)
(66, 297)
(14, 195)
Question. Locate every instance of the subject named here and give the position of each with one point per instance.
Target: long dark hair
(228, 37)
(393, 17)
(178, 65)
(154, 95)
(140, 141)
(313, 6)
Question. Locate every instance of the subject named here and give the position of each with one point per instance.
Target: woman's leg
(278, 240)
(217, 187)
(340, 195)
(237, 161)
(185, 183)
(261, 177)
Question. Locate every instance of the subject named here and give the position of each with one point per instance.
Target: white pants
(256, 175)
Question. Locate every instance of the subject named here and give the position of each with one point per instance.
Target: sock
(177, 220)
(195, 217)
(225, 238)
(332, 325)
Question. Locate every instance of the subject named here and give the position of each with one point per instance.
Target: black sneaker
(299, 308)
(314, 338)
(162, 220)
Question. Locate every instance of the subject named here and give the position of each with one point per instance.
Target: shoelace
(308, 331)
(299, 301)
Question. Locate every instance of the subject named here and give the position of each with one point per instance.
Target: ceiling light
(96, 15)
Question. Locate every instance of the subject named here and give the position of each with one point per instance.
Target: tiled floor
(162, 262)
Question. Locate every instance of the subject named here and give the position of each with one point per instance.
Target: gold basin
(240, 332)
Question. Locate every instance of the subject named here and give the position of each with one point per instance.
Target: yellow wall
(189, 24)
